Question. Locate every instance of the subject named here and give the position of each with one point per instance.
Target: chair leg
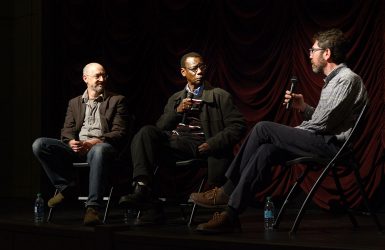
(50, 211)
(343, 198)
(308, 197)
(292, 191)
(285, 203)
(366, 199)
(193, 210)
(107, 205)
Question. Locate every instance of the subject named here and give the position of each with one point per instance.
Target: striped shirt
(342, 98)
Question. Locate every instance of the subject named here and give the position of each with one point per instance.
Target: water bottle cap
(38, 194)
(268, 198)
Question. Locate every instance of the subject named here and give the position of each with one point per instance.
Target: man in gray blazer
(94, 131)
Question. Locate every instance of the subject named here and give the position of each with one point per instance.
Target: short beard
(318, 69)
(99, 89)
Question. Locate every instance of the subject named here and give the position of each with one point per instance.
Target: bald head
(95, 77)
(92, 67)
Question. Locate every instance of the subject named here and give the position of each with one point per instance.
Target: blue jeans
(57, 157)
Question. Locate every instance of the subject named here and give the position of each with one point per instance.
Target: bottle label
(269, 214)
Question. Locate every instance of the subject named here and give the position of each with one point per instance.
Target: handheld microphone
(189, 95)
(294, 82)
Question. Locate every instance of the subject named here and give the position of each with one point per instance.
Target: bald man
(94, 131)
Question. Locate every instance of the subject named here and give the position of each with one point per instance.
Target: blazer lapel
(81, 114)
(104, 105)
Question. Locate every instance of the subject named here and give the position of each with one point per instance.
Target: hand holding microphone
(292, 99)
(185, 105)
(290, 94)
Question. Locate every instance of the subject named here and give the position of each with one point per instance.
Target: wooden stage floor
(318, 230)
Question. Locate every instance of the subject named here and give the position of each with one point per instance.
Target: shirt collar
(100, 98)
(197, 91)
(334, 72)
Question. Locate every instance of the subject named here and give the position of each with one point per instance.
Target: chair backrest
(344, 155)
(344, 151)
(348, 142)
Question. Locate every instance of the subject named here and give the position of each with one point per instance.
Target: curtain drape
(252, 48)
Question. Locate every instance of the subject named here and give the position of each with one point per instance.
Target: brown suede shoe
(92, 217)
(213, 198)
(220, 223)
(56, 200)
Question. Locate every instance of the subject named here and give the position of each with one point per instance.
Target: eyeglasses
(312, 50)
(104, 76)
(202, 66)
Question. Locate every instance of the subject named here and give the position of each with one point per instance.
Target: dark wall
(20, 24)
(6, 27)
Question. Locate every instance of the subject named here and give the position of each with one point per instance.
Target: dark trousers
(269, 144)
(57, 157)
(153, 147)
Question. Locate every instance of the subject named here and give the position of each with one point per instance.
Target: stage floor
(318, 230)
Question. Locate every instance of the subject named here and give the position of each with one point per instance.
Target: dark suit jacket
(222, 123)
(114, 118)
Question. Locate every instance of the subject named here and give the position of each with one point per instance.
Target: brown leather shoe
(220, 223)
(56, 200)
(211, 199)
(92, 217)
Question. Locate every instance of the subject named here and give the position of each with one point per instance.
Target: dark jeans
(152, 147)
(269, 144)
(57, 157)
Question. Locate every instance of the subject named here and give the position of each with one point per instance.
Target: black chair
(84, 165)
(190, 163)
(344, 157)
(197, 162)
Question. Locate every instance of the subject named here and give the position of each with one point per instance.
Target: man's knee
(38, 145)
(263, 125)
(148, 130)
(147, 134)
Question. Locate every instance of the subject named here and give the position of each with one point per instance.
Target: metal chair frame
(188, 163)
(344, 156)
(194, 162)
(83, 198)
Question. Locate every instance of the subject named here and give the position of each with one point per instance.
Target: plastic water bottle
(269, 214)
(39, 209)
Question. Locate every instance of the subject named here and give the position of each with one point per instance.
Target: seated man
(199, 121)
(95, 129)
(322, 132)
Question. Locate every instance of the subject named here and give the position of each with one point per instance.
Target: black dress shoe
(141, 198)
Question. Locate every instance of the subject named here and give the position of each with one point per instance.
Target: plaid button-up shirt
(342, 98)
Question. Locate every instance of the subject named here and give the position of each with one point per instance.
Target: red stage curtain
(252, 48)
